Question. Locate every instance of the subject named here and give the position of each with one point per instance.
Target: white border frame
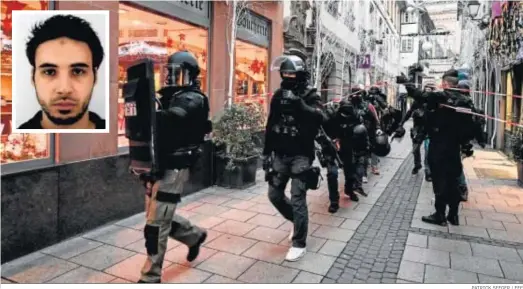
(105, 67)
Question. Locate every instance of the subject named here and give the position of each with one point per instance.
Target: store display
(16, 147)
(156, 39)
(251, 74)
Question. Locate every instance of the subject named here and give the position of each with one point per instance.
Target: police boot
(194, 250)
(361, 192)
(453, 217)
(333, 208)
(353, 197)
(438, 218)
(464, 190)
(428, 178)
(416, 169)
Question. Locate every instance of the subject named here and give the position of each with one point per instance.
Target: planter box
(242, 176)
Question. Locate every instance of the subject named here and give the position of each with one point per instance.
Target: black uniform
(448, 131)
(378, 99)
(370, 119)
(327, 154)
(417, 132)
(294, 119)
(354, 147)
(182, 124)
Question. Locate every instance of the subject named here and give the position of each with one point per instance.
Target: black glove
(401, 79)
(466, 150)
(267, 162)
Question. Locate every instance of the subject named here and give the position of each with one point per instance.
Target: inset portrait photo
(60, 71)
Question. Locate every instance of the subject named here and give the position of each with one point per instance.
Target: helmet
(357, 93)
(381, 147)
(429, 87)
(374, 90)
(464, 84)
(182, 69)
(359, 138)
(291, 67)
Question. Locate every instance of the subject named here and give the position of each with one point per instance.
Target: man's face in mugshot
(64, 79)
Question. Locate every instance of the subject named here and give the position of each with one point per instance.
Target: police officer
(354, 147)
(464, 88)
(371, 121)
(417, 132)
(182, 123)
(327, 154)
(378, 99)
(295, 117)
(449, 132)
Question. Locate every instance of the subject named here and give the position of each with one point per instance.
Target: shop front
(55, 186)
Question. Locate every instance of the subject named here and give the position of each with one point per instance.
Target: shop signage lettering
(198, 5)
(254, 28)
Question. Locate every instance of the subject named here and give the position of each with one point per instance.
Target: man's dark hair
(451, 77)
(65, 26)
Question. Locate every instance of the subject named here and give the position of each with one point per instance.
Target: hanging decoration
(7, 21)
(256, 66)
(170, 42)
(181, 36)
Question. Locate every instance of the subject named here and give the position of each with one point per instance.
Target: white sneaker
(295, 254)
(365, 180)
(291, 234)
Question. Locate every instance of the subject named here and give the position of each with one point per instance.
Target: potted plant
(517, 152)
(236, 134)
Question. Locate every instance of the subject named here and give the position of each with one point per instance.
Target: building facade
(344, 34)
(75, 182)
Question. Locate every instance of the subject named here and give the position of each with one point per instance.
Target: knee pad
(151, 234)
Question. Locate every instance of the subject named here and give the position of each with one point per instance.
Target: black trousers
(332, 182)
(295, 209)
(445, 165)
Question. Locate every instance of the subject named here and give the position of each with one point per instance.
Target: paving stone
(326, 220)
(214, 199)
(287, 226)
(350, 224)
(332, 248)
(233, 227)
(312, 262)
(206, 221)
(517, 228)
(267, 235)
(307, 278)
(417, 240)
(36, 268)
(512, 270)
(129, 269)
(484, 223)
(510, 236)
(267, 252)
(411, 271)
(136, 222)
(102, 257)
(399, 281)
(180, 274)
(449, 245)
(119, 237)
(434, 274)
(333, 233)
(502, 217)
(495, 252)
(227, 265)
(264, 208)
(238, 215)
(186, 206)
(72, 247)
(266, 221)
(231, 244)
(217, 279)
(476, 264)
(427, 256)
(262, 272)
(469, 231)
(239, 205)
(485, 279)
(120, 281)
(417, 223)
(210, 209)
(5, 281)
(242, 195)
(179, 255)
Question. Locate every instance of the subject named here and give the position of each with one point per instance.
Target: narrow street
(381, 239)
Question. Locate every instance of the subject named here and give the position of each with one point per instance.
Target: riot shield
(140, 116)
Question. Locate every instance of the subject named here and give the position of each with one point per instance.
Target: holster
(312, 178)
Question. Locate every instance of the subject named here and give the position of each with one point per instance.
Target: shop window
(251, 74)
(146, 34)
(17, 148)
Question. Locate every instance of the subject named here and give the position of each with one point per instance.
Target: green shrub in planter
(516, 143)
(237, 130)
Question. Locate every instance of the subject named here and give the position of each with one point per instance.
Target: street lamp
(473, 6)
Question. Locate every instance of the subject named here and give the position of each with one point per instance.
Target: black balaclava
(356, 96)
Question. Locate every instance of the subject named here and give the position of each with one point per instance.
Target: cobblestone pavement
(378, 239)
